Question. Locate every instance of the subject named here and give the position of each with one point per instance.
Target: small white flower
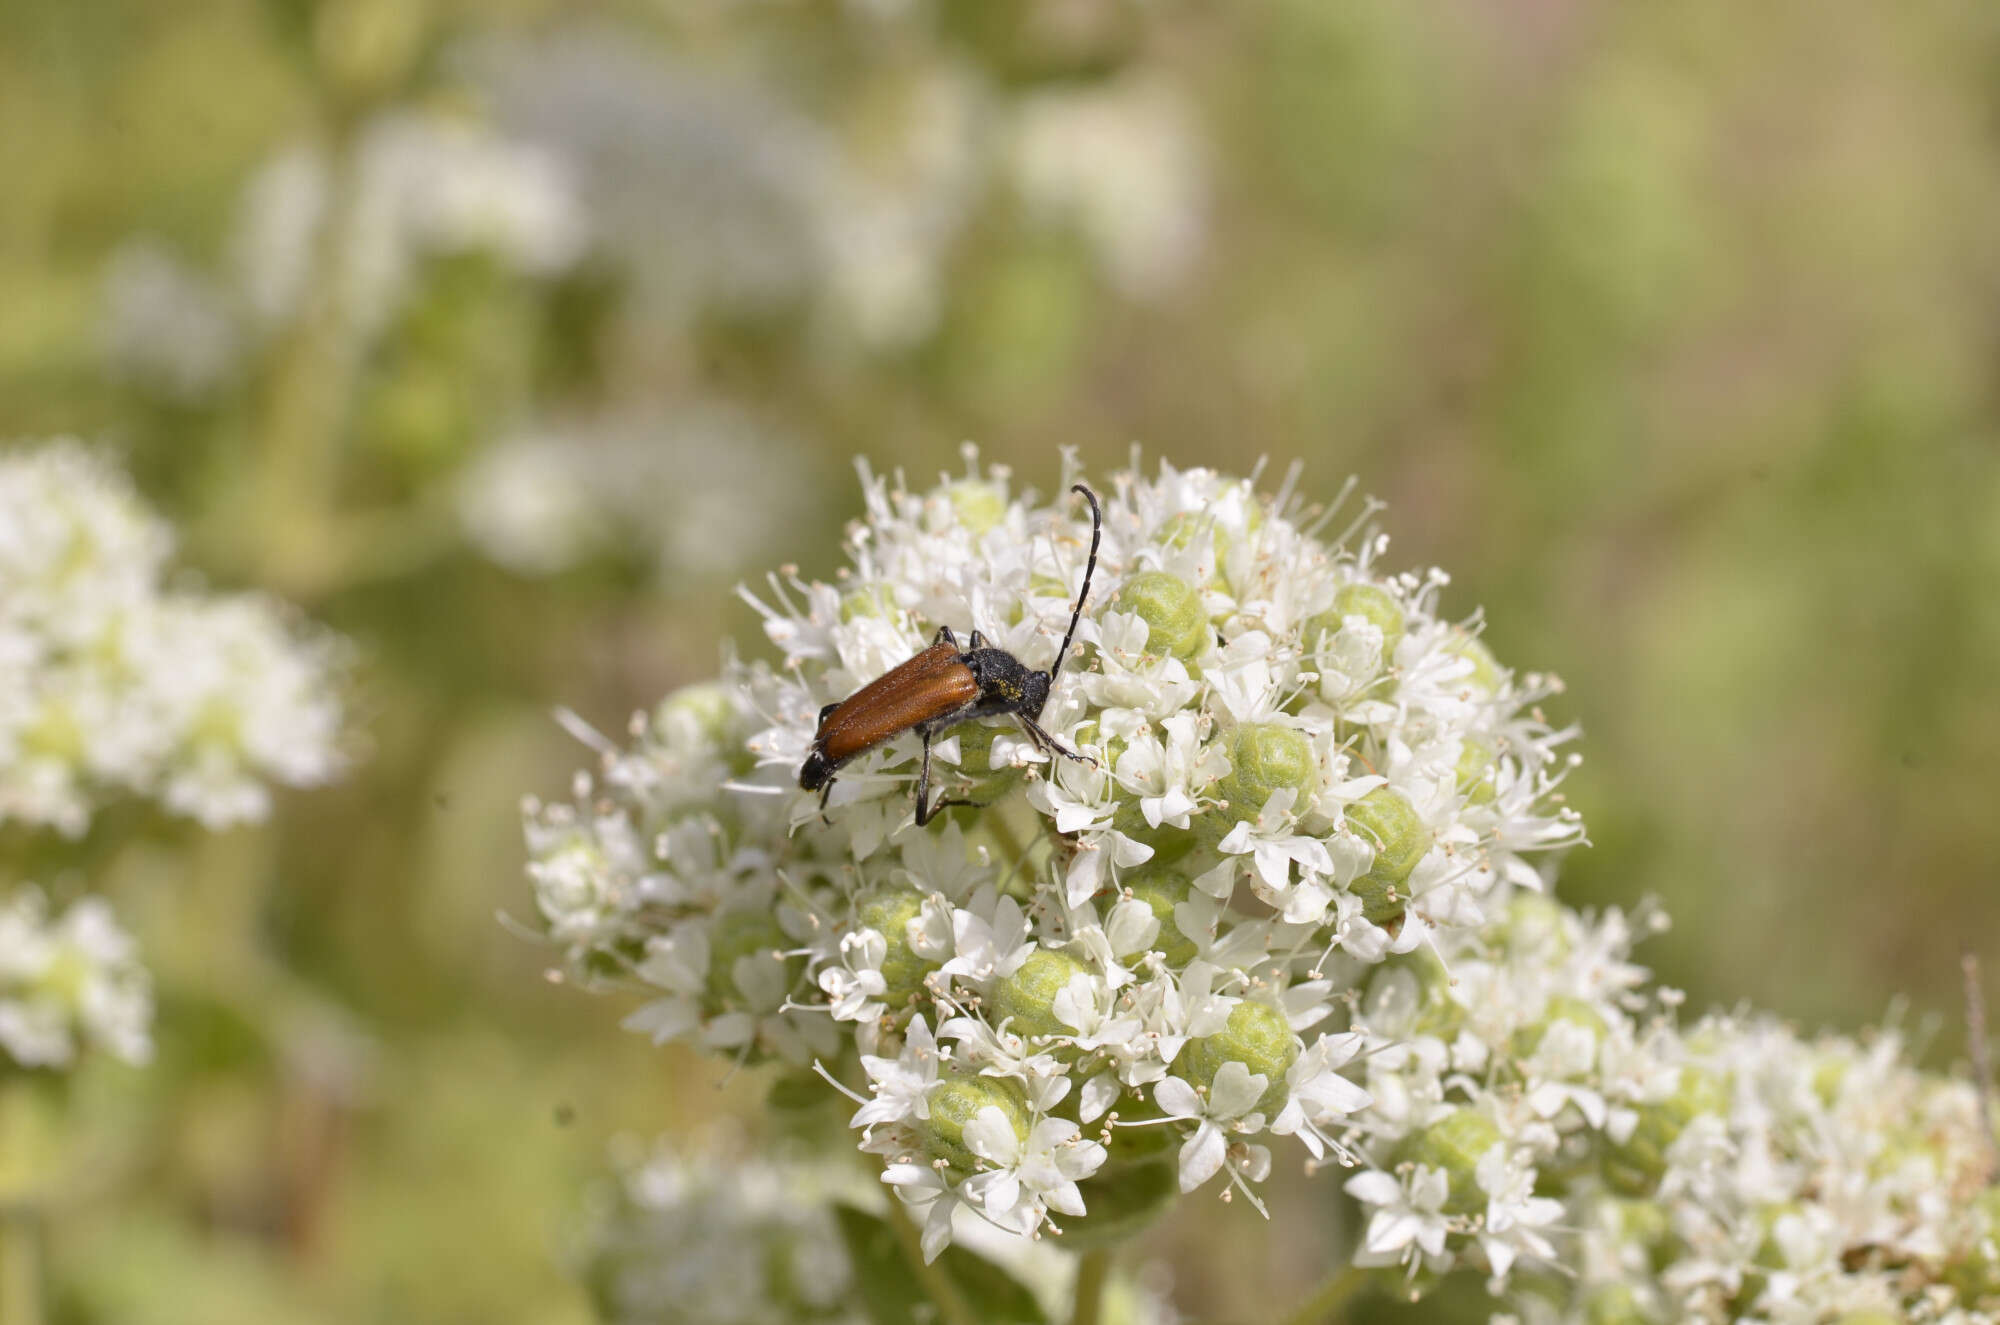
(1229, 1106)
(1408, 1221)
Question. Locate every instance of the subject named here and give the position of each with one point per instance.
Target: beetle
(939, 689)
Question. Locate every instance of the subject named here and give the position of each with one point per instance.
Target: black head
(1082, 595)
(1035, 692)
(816, 772)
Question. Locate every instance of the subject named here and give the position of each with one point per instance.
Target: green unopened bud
(745, 932)
(1028, 996)
(1486, 673)
(1411, 995)
(975, 763)
(1636, 1166)
(1259, 1037)
(979, 505)
(1475, 771)
(1202, 532)
(1263, 758)
(1388, 822)
(1456, 1143)
(1123, 1201)
(705, 707)
(1176, 622)
(875, 600)
(1561, 1008)
(889, 911)
(955, 1101)
(1162, 890)
(1375, 605)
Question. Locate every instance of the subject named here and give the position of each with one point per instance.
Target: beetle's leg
(944, 636)
(978, 641)
(825, 790)
(1050, 743)
(927, 812)
(924, 773)
(825, 712)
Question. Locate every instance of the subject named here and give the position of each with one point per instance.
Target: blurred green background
(1669, 330)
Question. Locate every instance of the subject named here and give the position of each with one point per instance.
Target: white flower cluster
(729, 191)
(701, 1241)
(113, 683)
(1292, 761)
(1290, 891)
(68, 984)
(422, 186)
(712, 1240)
(690, 490)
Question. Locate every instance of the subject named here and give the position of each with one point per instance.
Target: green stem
(304, 411)
(1333, 1293)
(21, 1140)
(951, 1305)
(1092, 1270)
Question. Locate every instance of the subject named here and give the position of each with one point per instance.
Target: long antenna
(1090, 568)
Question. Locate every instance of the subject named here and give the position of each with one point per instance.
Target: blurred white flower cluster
(423, 185)
(689, 489)
(113, 683)
(679, 1239)
(418, 186)
(732, 191)
(712, 1240)
(68, 984)
(1291, 893)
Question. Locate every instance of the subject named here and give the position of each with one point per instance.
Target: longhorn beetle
(937, 690)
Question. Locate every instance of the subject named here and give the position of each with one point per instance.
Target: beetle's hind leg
(925, 810)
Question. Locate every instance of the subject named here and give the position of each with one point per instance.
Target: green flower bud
(1486, 673)
(1389, 823)
(1162, 890)
(955, 1101)
(1122, 1201)
(979, 505)
(975, 762)
(745, 932)
(1534, 923)
(1257, 1036)
(1456, 1143)
(1028, 996)
(1204, 533)
(1475, 771)
(1263, 758)
(1636, 1166)
(1411, 995)
(875, 600)
(1562, 1007)
(1374, 604)
(1176, 622)
(889, 912)
(706, 707)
